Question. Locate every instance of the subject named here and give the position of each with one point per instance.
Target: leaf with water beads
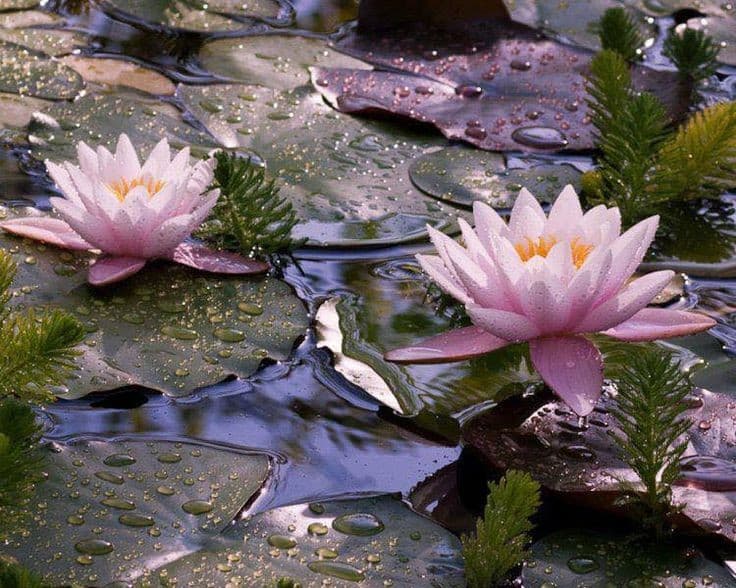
(193, 15)
(573, 557)
(170, 328)
(33, 73)
(111, 510)
(503, 88)
(582, 464)
(372, 541)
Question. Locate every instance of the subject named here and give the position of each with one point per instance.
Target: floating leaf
(274, 61)
(573, 557)
(503, 87)
(33, 73)
(25, 28)
(463, 175)
(170, 328)
(16, 111)
(17, 4)
(346, 178)
(581, 463)
(100, 118)
(375, 541)
(194, 15)
(110, 510)
(116, 72)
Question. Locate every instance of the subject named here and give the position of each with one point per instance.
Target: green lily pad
(16, 111)
(169, 328)
(100, 118)
(574, 20)
(576, 557)
(33, 73)
(717, 378)
(195, 15)
(371, 541)
(463, 175)
(22, 28)
(110, 510)
(17, 4)
(274, 61)
(347, 178)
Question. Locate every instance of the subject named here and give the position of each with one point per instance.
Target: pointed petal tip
(652, 324)
(108, 270)
(219, 262)
(456, 345)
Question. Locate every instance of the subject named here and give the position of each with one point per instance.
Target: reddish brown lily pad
(582, 464)
(499, 85)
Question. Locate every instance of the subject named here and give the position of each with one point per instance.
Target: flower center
(122, 187)
(529, 248)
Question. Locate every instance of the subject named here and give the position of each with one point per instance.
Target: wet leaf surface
(114, 72)
(110, 510)
(31, 28)
(576, 557)
(170, 328)
(582, 464)
(193, 15)
(100, 118)
(371, 541)
(33, 73)
(274, 61)
(463, 175)
(504, 87)
(347, 178)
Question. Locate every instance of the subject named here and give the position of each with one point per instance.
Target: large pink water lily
(132, 212)
(550, 281)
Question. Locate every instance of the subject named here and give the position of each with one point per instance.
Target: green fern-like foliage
(619, 32)
(650, 408)
(38, 349)
(694, 53)
(20, 460)
(609, 86)
(501, 538)
(14, 576)
(250, 216)
(699, 161)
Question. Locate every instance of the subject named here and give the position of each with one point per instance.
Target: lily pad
(275, 61)
(16, 111)
(372, 541)
(30, 29)
(33, 73)
(463, 175)
(348, 179)
(583, 465)
(194, 15)
(574, 20)
(170, 328)
(110, 510)
(116, 72)
(17, 4)
(100, 118)
(503, 87)
(576, 557)
(718, 300)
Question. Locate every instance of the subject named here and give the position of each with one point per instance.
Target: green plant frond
(609, 86)
(13, 575)
(249, 216)
(699, 161)
(8, 270)
(501, 538)
(20, 460)
(694, 53)
(38, 351)
(619, 32)
(649, 410)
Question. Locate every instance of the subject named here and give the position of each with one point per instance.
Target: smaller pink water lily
(133, 213)
(550, 281)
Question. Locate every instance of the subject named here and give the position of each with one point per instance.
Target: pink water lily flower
(550, 281)
(132, 212)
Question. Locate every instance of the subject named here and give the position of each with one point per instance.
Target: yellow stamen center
(529, 248)
(122, 187)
